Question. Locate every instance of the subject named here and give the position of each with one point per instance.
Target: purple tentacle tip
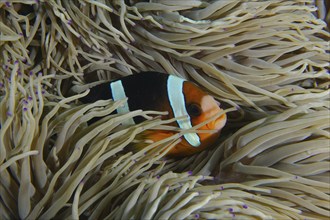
(245, 206)
(190, 172)
(196, 215)
(8, 4)
(25, 109)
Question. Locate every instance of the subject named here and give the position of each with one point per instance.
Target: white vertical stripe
(118, 93)
(176, 98)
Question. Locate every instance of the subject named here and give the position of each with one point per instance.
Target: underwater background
(268, 61)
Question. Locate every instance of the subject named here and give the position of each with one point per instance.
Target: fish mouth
(218, 124)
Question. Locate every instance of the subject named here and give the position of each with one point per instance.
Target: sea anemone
(267, 62)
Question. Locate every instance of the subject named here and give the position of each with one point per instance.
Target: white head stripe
(176, 98)
(118, 93)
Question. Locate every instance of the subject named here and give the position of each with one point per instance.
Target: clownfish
(164, 92)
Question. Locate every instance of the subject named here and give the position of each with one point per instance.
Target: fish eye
(194, 110)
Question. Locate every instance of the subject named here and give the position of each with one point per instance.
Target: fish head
(201, 107)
